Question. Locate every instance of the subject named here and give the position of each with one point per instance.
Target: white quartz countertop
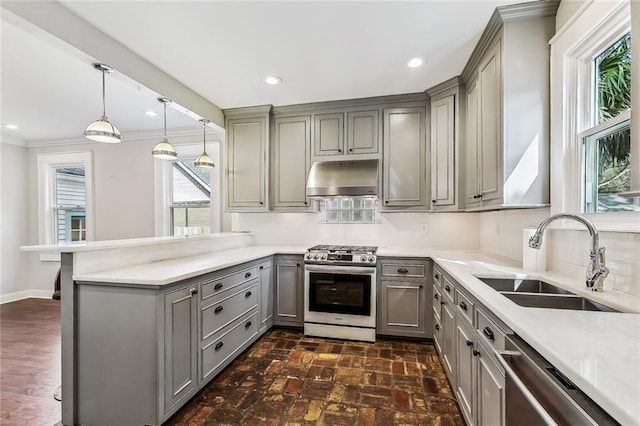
(598, 351)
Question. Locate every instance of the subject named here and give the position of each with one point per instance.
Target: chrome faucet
(596, 271)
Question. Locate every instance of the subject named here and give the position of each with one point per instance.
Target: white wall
(443, 230)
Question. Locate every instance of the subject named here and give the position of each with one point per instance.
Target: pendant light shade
(204, 161)
(164, 150)
(102, 130)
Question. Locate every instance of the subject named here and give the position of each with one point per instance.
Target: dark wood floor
(29, 362)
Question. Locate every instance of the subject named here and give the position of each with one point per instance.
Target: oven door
(342, 295)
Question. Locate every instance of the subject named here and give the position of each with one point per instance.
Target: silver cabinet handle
(193, 291)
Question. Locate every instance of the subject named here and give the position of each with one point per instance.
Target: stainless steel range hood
(343, 178)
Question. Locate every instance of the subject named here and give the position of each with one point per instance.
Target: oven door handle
(535, 404)
(341, 269)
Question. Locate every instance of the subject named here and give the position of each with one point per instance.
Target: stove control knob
(371, 258)
(308, 256)
(363, 258)
(323, 257)
(317, 256)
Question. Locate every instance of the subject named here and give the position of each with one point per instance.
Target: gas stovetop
(341, 255)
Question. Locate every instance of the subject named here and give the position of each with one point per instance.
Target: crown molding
(11, 140)
(445, 85)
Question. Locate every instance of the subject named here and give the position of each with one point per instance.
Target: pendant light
(164, 150)
(204, 161)
(102, 130)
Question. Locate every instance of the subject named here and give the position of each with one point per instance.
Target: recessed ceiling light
(272, 80)
(415, 62)
(11, 126)
(151, 113)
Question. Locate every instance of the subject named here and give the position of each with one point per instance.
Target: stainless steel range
(340, 292)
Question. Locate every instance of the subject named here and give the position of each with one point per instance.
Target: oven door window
(340, 293)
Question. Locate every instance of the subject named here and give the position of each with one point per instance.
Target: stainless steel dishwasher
(536, 393)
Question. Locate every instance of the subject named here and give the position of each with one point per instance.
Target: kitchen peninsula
(118, 298)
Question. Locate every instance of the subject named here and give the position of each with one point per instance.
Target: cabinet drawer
(437, 297)
(403, 270)
(437, 277)
(217, 315)
(465, 306)
(226, 344)
(216, 285)
(448, 289)
(490, 332)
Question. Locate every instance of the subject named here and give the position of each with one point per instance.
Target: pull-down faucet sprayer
(596, 271)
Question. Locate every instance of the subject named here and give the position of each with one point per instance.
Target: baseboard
(25, 294)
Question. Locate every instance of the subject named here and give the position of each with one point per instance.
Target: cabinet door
(472, 184)
(289, 292)
(490, 390)
(490, 107)
(402, 308)
(328, 134)
(266, 296)
(292, 147)
(404, 157)
(447, 322)
(464, 341)
(443, 152)
(362, 132)
(180, 336)
(246, 164)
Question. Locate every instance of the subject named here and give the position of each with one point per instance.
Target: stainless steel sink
(522, 286)
(540, 294)
(557, 301)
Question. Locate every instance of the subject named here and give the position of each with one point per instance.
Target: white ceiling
(222, 50)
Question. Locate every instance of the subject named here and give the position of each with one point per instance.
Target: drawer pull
(247, 275)
(261, 267)
(463, 306)
(469, 343)
(437, 327)
(248, 324)
(193, 291)
(437, 276)
(476, 352)
(218, 309)
(218, 346)
(217, 286)
(247, 294)
(448, 289)
(435, 296)
(487, 332)
(403, 270)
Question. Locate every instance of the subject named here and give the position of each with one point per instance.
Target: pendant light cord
(104, 107)
(204, 136)
(165, 120)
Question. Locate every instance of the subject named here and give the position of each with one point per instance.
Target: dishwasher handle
(526, 393)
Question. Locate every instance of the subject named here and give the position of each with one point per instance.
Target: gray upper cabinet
(405, 157)
(363, 128)
(328, 134)
(507, 79)
(247, 161)
(291, 162)
(446, 174)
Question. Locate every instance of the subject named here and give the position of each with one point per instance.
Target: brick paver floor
(288, 379)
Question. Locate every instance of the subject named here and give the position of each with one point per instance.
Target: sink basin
(519, 285)
(556, 301)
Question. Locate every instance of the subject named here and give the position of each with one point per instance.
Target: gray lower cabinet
(405, 157)
(403, 292)
(468, 338)
(289, 280)
(143, 351)
(180, 337)
(267, 293)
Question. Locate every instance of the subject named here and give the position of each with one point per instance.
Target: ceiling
(222, 50)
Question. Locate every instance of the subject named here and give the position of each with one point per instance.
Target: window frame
(592, 29)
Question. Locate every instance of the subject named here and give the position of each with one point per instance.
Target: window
(607, 145)
(350, 210)
(69, 207)
(65, 198)
(191, 199)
